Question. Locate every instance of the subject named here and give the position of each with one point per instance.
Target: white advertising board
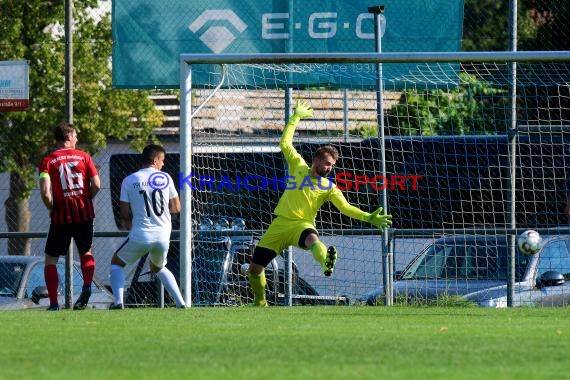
(14, 86)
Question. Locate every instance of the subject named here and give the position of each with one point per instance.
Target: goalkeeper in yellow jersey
(298, 206)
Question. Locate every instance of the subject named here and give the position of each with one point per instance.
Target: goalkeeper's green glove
(303, 110)
(380, 221)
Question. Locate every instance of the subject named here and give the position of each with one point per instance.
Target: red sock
(88, 268)
(52, 282)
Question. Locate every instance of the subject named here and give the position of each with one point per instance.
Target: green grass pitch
(286, 343)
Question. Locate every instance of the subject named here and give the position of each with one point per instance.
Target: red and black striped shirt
(70, 172)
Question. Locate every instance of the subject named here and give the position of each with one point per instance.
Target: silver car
(22, 284)
(475, 268)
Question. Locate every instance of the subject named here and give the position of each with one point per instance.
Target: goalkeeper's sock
(319, 251)
(117, 283)
(257, 283)
(169, 282)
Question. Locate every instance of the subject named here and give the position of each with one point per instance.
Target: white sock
(117, 283)
(169, 282)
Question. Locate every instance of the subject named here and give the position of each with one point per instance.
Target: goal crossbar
(392, 57)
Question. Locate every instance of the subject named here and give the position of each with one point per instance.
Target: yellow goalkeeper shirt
(304, 194)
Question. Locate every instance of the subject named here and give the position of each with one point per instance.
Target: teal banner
(149, 35)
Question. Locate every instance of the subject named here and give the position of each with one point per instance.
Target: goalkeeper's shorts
(285, 232)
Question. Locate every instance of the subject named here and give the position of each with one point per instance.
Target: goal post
(447, 122)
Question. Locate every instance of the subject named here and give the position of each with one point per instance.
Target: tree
(551, 18)
(31, 30)
(540, 25)
(485, 25)
(473, 108)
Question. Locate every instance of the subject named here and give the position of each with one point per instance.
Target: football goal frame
(188, 111)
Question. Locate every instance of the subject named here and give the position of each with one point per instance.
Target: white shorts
(132, 250)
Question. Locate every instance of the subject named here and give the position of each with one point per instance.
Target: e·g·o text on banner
(149, 35)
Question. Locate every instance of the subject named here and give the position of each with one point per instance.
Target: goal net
(439, 160)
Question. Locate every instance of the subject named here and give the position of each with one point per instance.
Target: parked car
(22, 284)
(475, 268)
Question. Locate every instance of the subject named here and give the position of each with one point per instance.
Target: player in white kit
(151, 197)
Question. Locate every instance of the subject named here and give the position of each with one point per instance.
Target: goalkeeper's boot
(330, 261)
(116, 306)
(83, 299)
(53, 307)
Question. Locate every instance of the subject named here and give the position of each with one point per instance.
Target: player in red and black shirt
(68, 182)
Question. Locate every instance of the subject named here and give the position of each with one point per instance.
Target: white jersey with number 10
(148, 192)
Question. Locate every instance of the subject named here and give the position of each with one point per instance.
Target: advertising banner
(14, 86)
(149, 35)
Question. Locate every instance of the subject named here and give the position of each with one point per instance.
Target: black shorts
(304, 235)
(262, 256)
(59, 238)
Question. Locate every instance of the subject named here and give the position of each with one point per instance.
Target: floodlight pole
(387, 255)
